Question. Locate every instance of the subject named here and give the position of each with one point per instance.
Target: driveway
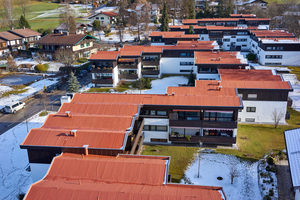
(284, 180)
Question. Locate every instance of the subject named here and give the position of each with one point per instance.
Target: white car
(14, 107)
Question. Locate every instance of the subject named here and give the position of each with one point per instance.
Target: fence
(31, 95)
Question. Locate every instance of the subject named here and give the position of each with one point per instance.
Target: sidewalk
(284, 181)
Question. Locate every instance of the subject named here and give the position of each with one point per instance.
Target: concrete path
(284, 181)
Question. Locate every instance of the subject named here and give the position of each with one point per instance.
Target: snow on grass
(267, 179)
(4, 88)
(34, 87)
(127, 36)
(14, 178)
(245, 186)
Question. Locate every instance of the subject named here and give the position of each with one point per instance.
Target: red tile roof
(9, 36)
(192, 45)
(271, 33)
(25, 32)
(217, 58)
(190, 21)
(128, 177)
(111, 14)
(173, 35)
(60, 39)
(105, 55)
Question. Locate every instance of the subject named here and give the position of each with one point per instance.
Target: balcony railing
(204, 139)
(102, 70)
(128, 76)
(102, 81)
(123, 66)
(150, 72)
(150, 62)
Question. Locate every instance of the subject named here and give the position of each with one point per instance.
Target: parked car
(82, 73)
(14, 107)
(53, 87)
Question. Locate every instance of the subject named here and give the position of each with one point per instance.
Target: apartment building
(170, 38)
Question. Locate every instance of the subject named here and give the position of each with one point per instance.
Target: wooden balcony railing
(205, 140)
(102, 81)
(101, 70)
(122, 66)
(150, 62)
(128, 76)
(153, 72)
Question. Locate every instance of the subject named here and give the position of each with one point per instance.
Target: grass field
(40, 15)
(119, 88)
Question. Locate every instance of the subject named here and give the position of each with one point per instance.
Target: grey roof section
(292, 140)
(63, 26)
(154, 6)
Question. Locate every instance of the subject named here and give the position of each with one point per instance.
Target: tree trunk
(231, 179)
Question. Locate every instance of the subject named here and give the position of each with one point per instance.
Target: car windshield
(7, 107)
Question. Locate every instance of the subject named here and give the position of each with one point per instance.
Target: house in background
(105, 18)
(3, 48)
(12, 41)
(80, 28)
(82, 45)
(29, 37)
(152, 10)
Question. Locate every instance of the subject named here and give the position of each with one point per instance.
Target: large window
(242, 33)
(155, 128)
(218, 116)
(251, 109)
(188, 115)
(252, 96)
(153, 112)
(241, 40)
(186, 63)
(274, 56)
(226, 40)
(164, 113)
(187, 54)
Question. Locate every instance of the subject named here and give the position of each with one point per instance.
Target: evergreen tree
(155, 20)
(229, 9)
(164, 19)
(23, 22)
(191, 79)
(191, 31)
(206, 13)
(220, 9)
(192, 9)
(73, 84)
(199, 15)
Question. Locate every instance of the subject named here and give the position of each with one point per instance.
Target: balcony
(102, 70)
(102, 81)
(204, 124)
(127, 66)
(204, 140)
(128, 76)
(150, 62)
(150, 72)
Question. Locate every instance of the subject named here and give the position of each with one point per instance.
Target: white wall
(139, 70)
(264, 111)
(172, 65)
(288, 57)
(203, 37)
(297, 194)
(156, 134)
(234, 39)
(203, 76)
(38, 171)
(157, 44)
(115, 76)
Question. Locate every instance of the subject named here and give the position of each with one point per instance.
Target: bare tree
(277, 116)
(24, 4)
(67, 16)
(140, 22)
(120, 29)
(11, 63)
(233, 172)
(65, 56)
(44, 100)
(8, 11)
(39, 58)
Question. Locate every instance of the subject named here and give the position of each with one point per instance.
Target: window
(82, 45)
(186, 54)
(273, 63)
(188, 115)
(274, 56)
(251, 109)
(242, 33)
(218, 116)
(250, 119)
(241, 40)
(240, 110)
(231, 23)
(144, 112)
(269, 48)
(226, 32)
(164, 113)
(244, 45)
(239, 119)
(185, 70)
(279, 48)
(88, 44)
(155, 128)
(152, 112)
(202, 38)
(252, 96)
(186, 63)
(102, 17)
(158, 140)
(97, 17)
(226, 40)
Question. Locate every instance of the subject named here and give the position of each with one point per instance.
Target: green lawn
(281, 1)
(181, 157)
(119, 88)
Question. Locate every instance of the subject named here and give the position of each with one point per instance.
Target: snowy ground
(115, 37)
(14, 178)
(159, 86)
(34, 87)
(244, 187)
(295, 95)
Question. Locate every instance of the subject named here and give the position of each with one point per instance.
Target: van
(14, 107)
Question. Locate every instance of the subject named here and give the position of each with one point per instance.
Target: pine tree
(192, 9)
(229, 9)
(73, 84)
(155, 20)
(164, 19)
(23, 22)
(199, 15)
(220, 9)
(191, 31)
(206, 10)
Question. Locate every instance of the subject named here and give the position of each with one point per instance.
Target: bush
(279, 153)
(82, 60)
(271, 192)
(251, 56)
(267, 197)
(143, 83)
(270, 160)
(40, 68)
(43, 113)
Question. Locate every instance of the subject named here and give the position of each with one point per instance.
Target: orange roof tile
(110, 14)
(271, 33)
(100, 177)
(189, 21)
(105, 55)
(173, 35)
(217, 58)
(256, 84)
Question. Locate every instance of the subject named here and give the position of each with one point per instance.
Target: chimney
(86, 150)
(219, 82)
(73, 132)
(220, 87)
(68, 113)
(173, 94)
(166, 94)
(24, 27)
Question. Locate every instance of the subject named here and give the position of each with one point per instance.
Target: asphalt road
(35, 105)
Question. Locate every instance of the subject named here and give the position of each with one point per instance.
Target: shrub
(40, 68)
(143, 83)
(251, 56)
(82, 60)
(43, 113)
(267, 197)
(270, 160)
(271, 180)
(188, 137)
(279, 153)
(271, 192)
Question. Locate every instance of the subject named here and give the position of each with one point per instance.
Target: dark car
(82, 73)
(52, 88)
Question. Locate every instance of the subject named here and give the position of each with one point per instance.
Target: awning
(219, 111)
(221, 129)
(126, 60)
(180, 110)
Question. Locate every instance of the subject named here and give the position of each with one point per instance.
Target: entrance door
(238, 48)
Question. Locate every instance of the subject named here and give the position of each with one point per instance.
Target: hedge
(40, 68)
